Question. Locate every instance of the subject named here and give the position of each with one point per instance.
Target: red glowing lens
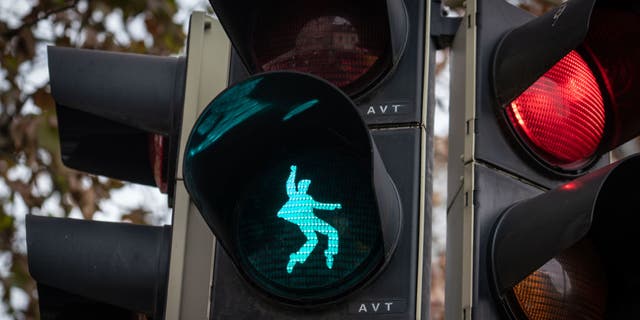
(158, 145)
(561, 116)
(345, 44)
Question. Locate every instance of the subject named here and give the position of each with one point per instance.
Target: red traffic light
(574, 95)
(561, 117)
(286, 155)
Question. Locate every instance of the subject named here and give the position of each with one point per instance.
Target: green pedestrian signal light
(299, 211)
(294, 236)
(285, 173)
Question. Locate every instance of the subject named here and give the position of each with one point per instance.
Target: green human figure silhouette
(299, 211)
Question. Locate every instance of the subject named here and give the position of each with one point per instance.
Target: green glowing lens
(280, 168)
(306, 228)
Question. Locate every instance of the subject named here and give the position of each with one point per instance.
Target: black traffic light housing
(305, 31)
(584, 26)
(91, 269)
(511, 40)
(393, 103)
(96, 91)
(119, 115)
(498, 230)
(391, 98)
(596, 208)
(111, 105)
(246, 142)
(394, 95)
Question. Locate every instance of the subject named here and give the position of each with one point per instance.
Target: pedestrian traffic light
(320, 204)
(538, 225)
(296, 173)
(300, 198)
(118, 116)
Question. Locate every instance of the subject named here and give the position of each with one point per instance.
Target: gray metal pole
(193, 244)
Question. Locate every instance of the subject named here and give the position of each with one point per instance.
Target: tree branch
(27, 24)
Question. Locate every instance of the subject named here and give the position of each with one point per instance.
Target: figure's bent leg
(304, 252)
(332, 242)
(332, 247)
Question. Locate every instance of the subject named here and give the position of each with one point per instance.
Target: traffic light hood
(278, 157)
(542, 100)
(109, 104)
(352, 44)
(80, 263)
(106, 84)
(603, 32)
(601, 205)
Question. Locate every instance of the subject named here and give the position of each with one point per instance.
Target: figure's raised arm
(326, 206)
(291, 182)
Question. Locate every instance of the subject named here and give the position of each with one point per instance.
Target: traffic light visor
(352, 44)
(283, 169)
(123, 123)
(564, 254)
(569, 81)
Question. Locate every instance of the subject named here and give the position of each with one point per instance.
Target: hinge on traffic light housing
(305, 174)
(466, 313)
(471, 126)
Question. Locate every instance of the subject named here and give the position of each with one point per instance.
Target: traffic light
(312, 168)
(293, 187)
(327, 121)
(539, 222)
(118, 116)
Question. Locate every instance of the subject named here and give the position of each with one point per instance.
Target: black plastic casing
(93, 269)
(109, 103)
(393, 110)
(518, 224)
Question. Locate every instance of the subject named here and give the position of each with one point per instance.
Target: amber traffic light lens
(570, 286)
(561, 117)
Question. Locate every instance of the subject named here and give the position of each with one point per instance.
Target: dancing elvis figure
(299, 211)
